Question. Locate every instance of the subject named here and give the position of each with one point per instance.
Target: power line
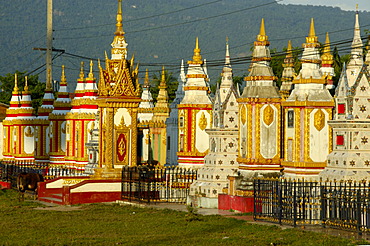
(181, 23)
(142, 18)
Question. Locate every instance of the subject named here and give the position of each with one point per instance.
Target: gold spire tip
(146, 79)
(197, 58)
(91, 75)
(82, 71)
(312, 29)
(26, 83)
(312, 38)
(262, 34)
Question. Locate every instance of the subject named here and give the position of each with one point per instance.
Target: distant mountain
(85, 28)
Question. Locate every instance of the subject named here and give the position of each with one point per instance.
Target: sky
(363, 5)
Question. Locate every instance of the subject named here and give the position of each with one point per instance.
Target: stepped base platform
(5, 185)
(79, 190)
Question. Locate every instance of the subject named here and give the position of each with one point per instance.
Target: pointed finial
(99, 63)
(91, 75)
(63, 79)
(197, 58)
(82, 73)
(15, 90)
(163, 79)
(289, 53)
(227, 55)
(327, 43)
(146, 79)
(312, 38)
(119, 30)
(262, 35)
(48, 82)
(357, 7)
(26, 84)
(312, 29)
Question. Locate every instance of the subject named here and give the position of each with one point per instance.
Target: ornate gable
(119, 79)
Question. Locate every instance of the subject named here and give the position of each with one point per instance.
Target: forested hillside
(85, 29)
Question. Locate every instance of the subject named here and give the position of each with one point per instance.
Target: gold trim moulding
(310, 61)
(253, 78)
(193, 154)
(196, 76)
(278, 168)
(196, 106)
(198, 88)
(118, 102)
(262, 43)
(309, 81)
(195, 62)
(311, 43)
(303, 164)
(307, 104)
(80, 116)
(258, 100)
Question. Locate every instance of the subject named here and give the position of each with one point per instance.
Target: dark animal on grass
(28, 181)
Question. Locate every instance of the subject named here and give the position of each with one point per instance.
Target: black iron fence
(156, 184)
(9, 172)
(341, 205)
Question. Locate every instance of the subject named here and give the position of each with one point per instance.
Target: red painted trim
(20, 143)
(190, 129)
(91, 93)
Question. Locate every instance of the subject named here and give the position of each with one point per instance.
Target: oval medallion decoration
(319, 120)
(202, 122)
(243, 114)
(268, 115)
(121, 147)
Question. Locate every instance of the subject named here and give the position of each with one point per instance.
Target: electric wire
(141, 18)
(178, 24)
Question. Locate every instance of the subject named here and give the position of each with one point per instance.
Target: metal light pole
(49, 41)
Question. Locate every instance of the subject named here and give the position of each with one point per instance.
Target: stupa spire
(91, 75)
(26, 84)
(15, 89)
(327, 63)
(163, 79)
(197, 58)
(262, 35)
(119, 27)
(312, 38)
(146, 79)
(119, 44)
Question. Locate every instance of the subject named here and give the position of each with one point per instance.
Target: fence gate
(156, 184)
(285, 202)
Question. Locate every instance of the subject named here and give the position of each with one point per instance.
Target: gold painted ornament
(268, 115)
(243, 114)
(319, 120)
(202, 122)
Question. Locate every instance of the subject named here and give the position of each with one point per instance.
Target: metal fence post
(323, 205)
(280, 197)
(358, 202)
(294, 204)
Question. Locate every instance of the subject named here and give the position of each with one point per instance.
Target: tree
(171, 82)
(35, 87)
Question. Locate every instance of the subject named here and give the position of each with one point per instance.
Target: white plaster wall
(319, 140)
(201, 136)
(63, 137)
(118, 116)
(268, 135)
(29, 142)
(47, 144)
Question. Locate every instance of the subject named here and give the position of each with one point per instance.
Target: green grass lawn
(113, 224)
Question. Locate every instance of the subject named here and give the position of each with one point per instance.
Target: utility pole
(49, 41)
